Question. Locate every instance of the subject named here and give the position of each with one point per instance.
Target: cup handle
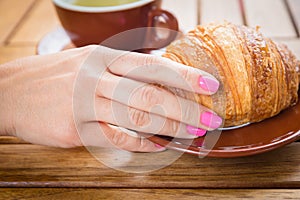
(160, 21)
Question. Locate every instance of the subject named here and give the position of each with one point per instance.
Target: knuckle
(174, 126)
(153, 64)
(93, 46)
(138, 118)
(186, 73)
(141, 145)
(149, 60)
(171, 128)
(150, 95)
(90, 48)
(118, 138)
(68, 138)
(70, 135)
(188, 113)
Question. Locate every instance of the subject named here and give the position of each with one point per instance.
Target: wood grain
(12, 52)
(41, 20)
(11, 140)
(293, 44)
(185, 12)
(129, 194)
(12, 11)
(271, 15)
(294, 6)
(37, 166)
(220, 10)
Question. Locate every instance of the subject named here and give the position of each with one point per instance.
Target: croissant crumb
(259, 78)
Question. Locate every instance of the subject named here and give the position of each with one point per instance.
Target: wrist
(6, 99)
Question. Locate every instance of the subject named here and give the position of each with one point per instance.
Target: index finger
(159, 70)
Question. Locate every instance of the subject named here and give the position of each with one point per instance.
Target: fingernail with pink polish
(209, 84)
(211, 120)
(159, 147)
(195, 131)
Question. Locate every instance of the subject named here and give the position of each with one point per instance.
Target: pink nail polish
(211, 120)
(209, 84)
(158, 146)
(195, 131)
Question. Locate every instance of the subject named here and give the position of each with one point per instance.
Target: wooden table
(29, 171)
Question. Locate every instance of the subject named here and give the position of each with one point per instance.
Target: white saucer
(53, 42)
(58, 40)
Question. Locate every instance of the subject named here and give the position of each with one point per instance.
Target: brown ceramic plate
(253, 139)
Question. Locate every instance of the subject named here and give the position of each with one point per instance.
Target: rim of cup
(66, 4)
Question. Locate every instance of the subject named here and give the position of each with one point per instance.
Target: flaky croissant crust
(259, 78)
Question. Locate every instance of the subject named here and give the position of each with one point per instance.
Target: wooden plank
(294, 6)
(294, 46)
(41, 20)
(220, 10)
(10, 52)
(12, 11)
(37, 166)
(271, 15)
(185, 11)
(11, 140)
(129, 194)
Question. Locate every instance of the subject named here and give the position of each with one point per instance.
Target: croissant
(258, 77)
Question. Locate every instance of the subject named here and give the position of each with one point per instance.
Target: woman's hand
(69, 99)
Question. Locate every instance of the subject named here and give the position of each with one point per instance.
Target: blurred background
(24, 23)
